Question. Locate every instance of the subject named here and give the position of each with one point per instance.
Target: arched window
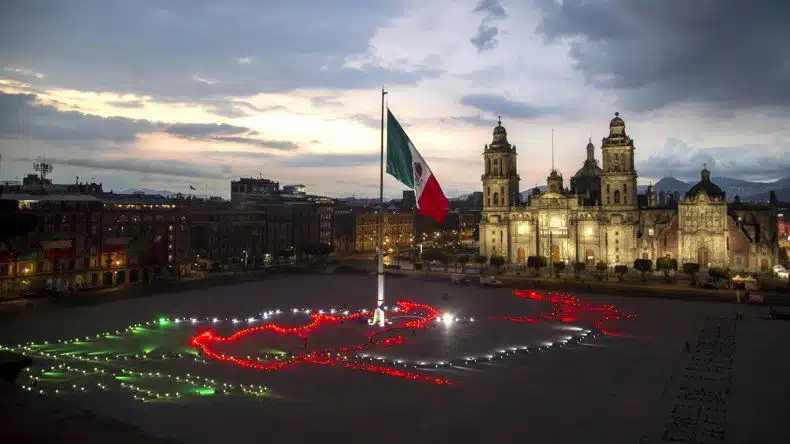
(617, 196)
(488, 166)
(496, 199)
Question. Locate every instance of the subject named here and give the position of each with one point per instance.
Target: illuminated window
(650, 232)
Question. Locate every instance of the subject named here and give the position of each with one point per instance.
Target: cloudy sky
(163, 94)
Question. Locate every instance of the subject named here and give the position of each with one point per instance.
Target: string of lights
(566, 309)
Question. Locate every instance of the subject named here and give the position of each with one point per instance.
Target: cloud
(326, 101)
(179, 51)
(476, 120)
(486, 36)
(165, 167)
(204, 129)
(654, 54)
(500, 106)
(126, 103)
(753, 162)
(282, 145)
(365, 119)
(330, 160)
(23, 72)
(491, 8)
(22, 116)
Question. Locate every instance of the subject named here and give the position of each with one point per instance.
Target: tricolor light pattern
(87, 364)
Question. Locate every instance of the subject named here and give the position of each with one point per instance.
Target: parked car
(489, 281)
(459, 279)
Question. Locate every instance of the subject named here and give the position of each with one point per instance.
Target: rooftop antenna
(43, 169)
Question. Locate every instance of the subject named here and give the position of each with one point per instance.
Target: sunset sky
(163, 94)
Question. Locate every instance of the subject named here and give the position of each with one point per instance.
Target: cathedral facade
(602, 218)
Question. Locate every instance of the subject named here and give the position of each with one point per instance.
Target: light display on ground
(96, 364)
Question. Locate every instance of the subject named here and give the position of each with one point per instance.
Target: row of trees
(460, 259)
(665, 265)
(536, 263)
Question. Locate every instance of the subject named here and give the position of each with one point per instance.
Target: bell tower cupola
(618, 182)
(500, 176)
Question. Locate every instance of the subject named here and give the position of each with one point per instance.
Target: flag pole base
(379, 318)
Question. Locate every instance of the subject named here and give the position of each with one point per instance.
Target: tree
(558, 266)
(498, 261)
(691, 269)
(536, 263)
(644, 265)
(602, 267)
(620, 271)
(480, 260)
(665, 265)
(717, 274)
(445, 259)
(578, 267)
(430, 256)
(462, 259)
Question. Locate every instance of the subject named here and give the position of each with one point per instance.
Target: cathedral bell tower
(500, 179)
(618, 182)
(500, 193)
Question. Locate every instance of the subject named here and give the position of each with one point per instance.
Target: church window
(650, 232)
(607, 188)
(488, 166)
(488, 203)
(496, 199)
(617, 196)
(728, 243)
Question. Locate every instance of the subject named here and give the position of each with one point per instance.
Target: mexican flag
(405, 164)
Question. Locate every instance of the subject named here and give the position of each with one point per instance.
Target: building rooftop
(49, 197)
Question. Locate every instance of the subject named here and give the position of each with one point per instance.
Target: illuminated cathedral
(602, 218)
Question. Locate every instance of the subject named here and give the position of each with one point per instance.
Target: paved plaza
(487, 366)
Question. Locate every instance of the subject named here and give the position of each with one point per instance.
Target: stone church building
(602, 218)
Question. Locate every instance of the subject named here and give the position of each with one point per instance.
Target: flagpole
(378, 315)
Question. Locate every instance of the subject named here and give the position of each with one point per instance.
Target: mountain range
(148, 191)
(747, 190)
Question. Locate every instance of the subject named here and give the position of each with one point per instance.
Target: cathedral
(602, 218)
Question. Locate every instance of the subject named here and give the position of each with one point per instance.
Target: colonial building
(602, 219)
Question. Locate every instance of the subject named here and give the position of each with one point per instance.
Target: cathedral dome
(499, 129)
(590, 167)
(500, 142)
(710, 188)
(617, 121)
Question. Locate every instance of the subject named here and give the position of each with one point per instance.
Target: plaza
(488, 364)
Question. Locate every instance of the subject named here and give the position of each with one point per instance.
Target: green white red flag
(406, 164)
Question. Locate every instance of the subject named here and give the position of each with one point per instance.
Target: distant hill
(782, 195)
(165, 193)
(747, 190)
(525, 194)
